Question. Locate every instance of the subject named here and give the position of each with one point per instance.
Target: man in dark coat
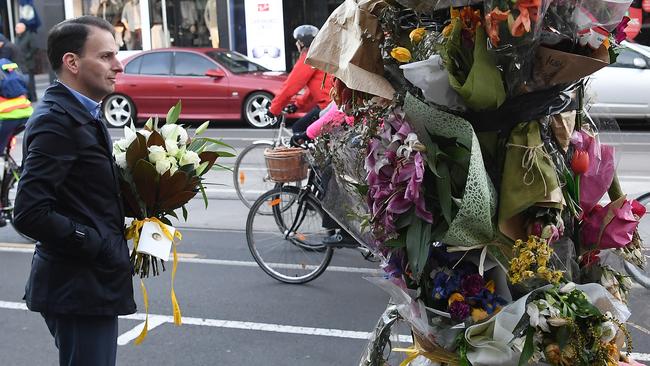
(69, 199)
(26, 43)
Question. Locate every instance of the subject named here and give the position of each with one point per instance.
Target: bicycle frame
(281, 138)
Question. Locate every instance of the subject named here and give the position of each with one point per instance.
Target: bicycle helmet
(305, 34)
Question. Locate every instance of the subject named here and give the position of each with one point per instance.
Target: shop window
(190, 64)
(124, 15)
(156, 63)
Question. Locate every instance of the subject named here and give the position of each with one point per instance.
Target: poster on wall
(265, 33)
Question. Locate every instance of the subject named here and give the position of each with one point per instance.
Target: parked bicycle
(10, 174)
(284, 228)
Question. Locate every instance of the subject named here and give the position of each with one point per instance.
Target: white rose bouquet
(161, 169)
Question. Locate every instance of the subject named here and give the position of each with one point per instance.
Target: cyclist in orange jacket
(303, 75)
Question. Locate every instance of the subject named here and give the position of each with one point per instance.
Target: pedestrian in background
(26, 43)
(8, 49)
(68, 199)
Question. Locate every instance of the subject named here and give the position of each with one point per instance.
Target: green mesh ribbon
(473, 222)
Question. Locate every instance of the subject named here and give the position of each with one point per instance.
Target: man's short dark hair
(70, 36)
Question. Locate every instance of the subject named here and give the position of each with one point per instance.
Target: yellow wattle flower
(478, 314)
(490, 286)
(401, 54)
(455, 297)
(417, 34)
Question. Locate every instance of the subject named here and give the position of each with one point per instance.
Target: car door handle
(133, 85)
(179, 85)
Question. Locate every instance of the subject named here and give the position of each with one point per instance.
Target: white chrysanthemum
(120, 159)
(190, 157)
(156, 153)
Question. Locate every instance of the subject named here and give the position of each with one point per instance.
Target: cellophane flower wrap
(161, 170)
(483, 190)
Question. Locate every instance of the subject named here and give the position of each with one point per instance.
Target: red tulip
(580, 162)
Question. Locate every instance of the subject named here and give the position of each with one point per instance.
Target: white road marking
(128, 336)
(190, 258)
(241, 325)
(640, 356)
(220, 323)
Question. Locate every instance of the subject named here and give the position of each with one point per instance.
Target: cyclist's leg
(304, 122)
(7, 126)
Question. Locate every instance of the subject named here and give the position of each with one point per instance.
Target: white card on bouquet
(154, 242)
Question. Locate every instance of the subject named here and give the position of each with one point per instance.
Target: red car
(212, 84)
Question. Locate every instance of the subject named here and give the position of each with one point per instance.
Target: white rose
(174, 133)
(156, 153)
(169, 132)
(182, 135)
(190, 157)
(163, 165)
(120, 159)
(121, 145)
(171, 147)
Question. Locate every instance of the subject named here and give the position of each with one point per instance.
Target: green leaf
(398, 242)
(205, 196)
(184, 212)
(218, 166)
(174, 112)
(221, 153)
(418, 239)
(214, 141)
(202, 128)
(443, 184)
(527, 351)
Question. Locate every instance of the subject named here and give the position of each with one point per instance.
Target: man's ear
(71, 62)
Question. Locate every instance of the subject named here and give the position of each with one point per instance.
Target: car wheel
(255, 108)
(118, 110)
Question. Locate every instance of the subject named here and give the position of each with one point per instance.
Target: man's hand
(290, 108)
(299, 139)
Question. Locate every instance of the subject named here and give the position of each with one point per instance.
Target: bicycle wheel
(10, 179)
(288, 244)
(249, 175)
(642, 276)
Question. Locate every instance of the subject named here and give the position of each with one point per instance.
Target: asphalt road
(237, 315)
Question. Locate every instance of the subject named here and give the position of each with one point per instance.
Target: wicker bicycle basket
(286, 164)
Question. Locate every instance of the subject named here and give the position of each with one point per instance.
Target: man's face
(98, 65)
(20, 28)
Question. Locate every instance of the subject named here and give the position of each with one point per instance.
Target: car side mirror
(640, 63)
(215, 73)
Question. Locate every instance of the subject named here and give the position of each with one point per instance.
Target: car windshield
(235, 62)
